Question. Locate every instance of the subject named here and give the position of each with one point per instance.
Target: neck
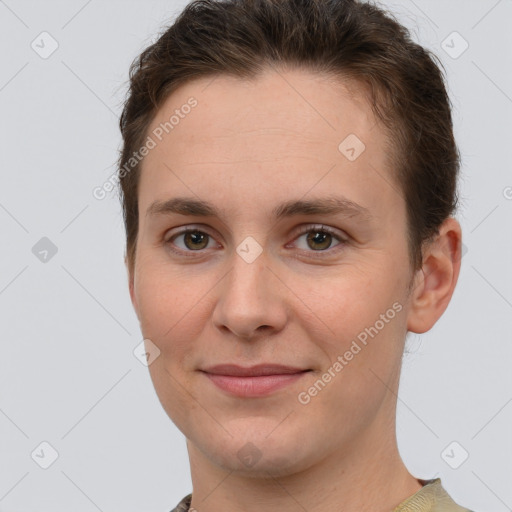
(368, 476)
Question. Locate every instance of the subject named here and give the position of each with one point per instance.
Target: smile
(256, 381)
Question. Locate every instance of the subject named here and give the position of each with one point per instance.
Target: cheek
(173, 311)
(163, 297)
(362, 306)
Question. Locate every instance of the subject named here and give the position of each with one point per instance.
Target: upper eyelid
(188, 228)
(319, 227)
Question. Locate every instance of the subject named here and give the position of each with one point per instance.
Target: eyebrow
(324, 206)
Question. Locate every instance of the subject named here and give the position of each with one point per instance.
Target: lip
(254, 381)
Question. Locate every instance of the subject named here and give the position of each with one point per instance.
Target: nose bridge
(247, 282)
(249, 296)
(249, 265)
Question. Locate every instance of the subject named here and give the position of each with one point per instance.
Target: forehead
(288, 103)
(282, 130)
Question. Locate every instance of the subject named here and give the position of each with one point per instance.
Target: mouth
(254, 381)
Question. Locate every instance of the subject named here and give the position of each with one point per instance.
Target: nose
(251, 300)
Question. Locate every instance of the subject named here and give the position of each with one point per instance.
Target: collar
(432, 497)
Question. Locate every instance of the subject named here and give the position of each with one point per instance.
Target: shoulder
(183, 505)
(432, 497)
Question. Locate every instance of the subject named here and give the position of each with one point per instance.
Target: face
(295, 255)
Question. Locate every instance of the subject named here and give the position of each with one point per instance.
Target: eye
(193, 240)
(319, 238)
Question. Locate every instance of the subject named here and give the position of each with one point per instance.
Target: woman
(288, 177)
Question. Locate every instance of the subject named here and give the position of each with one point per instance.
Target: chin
(257, 454)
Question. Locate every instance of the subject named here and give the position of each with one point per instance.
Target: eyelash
(316, 228)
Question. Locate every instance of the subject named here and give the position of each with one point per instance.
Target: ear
(435, 281)
(131, 286)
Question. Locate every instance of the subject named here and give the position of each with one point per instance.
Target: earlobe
(435, 282)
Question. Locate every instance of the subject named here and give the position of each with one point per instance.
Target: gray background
(68, 375)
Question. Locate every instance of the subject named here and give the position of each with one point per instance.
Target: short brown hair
(348, 39)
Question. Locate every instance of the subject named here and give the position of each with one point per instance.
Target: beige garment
(430, 498)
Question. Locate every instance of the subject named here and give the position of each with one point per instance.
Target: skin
(247, 147)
